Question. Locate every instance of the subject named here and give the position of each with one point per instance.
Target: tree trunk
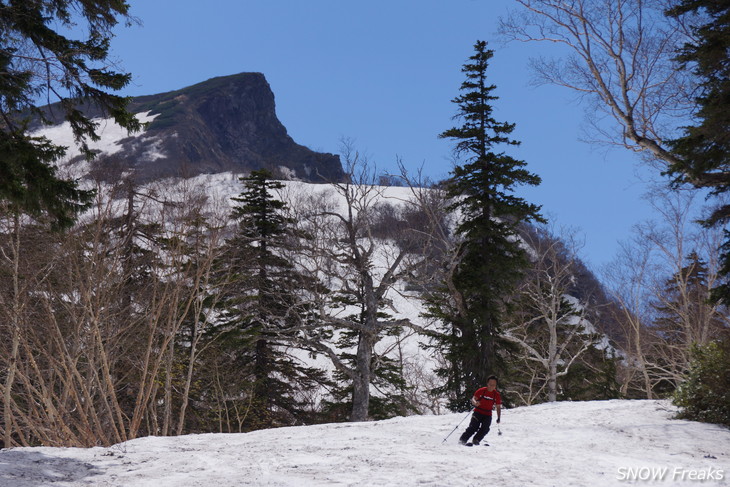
(644, 371)
(167, 422)
(188, 378)
(553, 382)
(15, 325)
(553, 352)
(361, 384)
(261, 391)
(7, 397)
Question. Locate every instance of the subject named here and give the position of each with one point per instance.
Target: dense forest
(131, 309)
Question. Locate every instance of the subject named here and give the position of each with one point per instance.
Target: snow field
(111, 139)
(110, 135)
(556, 444)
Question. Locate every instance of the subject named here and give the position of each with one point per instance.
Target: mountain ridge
(226, 123)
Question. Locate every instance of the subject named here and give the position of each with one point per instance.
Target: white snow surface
(111, 137)
(595, 443)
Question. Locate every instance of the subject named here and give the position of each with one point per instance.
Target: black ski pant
(480, 425)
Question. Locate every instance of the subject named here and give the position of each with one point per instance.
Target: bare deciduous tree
(361, 268)
(629, 280)
(653, 260)
(551, 326)
(688, 259)
(95, 319)
(620, 57)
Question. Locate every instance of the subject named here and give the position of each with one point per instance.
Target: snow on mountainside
(110, 135)
(419, 365)
(404, 303)
(111, 138)
(150, 147)
(228, 123)
(596, 443)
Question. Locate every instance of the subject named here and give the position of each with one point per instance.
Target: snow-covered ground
(597, 443)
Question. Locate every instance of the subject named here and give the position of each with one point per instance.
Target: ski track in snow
(554, 444)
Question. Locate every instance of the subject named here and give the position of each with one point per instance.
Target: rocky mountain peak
(223, 124)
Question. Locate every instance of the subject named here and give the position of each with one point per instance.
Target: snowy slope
(419, 365)
(111, 139)
(110, 135)
(403, 303)
(599, 443)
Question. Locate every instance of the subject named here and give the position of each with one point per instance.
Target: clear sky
(383, 73)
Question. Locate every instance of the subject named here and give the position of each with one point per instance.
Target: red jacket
(487, 400)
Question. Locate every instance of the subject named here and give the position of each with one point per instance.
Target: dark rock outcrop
(223, 124)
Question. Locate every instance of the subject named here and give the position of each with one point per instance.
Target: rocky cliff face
(223, 124)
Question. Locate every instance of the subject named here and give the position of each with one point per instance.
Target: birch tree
(651, 280)
(551, 326)
(619, 55)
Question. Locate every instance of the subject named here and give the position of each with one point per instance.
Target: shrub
(705, 395)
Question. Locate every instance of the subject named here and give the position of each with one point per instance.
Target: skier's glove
(498, 420)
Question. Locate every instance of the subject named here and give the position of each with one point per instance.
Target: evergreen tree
(38, 61)
(705, 395)
(593, 378)
(685, 317)
(491, 258)
(704, 148)
(685, 306)
(264, 303)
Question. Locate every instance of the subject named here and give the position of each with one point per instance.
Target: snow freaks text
(658, 474)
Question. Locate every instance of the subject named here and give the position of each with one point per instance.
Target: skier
(484, 400)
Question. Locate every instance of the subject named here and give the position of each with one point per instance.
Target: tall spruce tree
(490, 258)
(39, 62)
(265, 302)
(704, 147)
(704, 160)
(684, 315)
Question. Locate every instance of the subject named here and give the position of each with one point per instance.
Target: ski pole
(457, 426)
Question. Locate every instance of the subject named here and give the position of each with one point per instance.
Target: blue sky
(383, 73)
